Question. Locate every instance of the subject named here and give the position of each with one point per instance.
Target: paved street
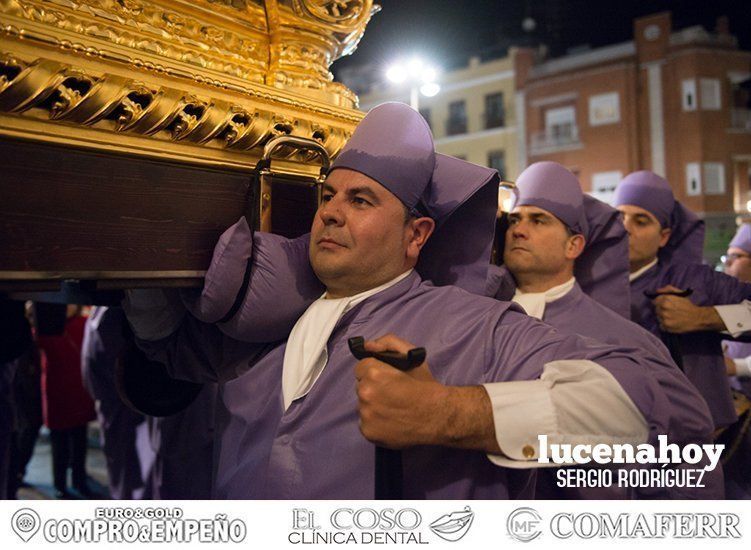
(39, 471)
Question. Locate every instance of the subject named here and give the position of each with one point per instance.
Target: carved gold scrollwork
(332, 11)
(33, 84)
(246, 131)
(216, 117)
(188, 117)
(281, 125)
(93, 102)
(332, 139)
(146, 112)
(126, 105)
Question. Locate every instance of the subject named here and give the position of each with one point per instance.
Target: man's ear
(575, 246)
(422, 229)
(664, 236)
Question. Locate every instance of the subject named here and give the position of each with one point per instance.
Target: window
(688, 92)
(425, 112)
(710, 94)
(497, 161)
(714, 178)
(560, 124)
(495, 114)
(604, 109)
(604, 184)
(693, 179)
(457, 122)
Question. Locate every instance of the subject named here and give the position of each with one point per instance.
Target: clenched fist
(679, 315)
(401, 409)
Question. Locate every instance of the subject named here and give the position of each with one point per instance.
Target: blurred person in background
(738, 363)
(15, 340)
(67, 406)
(27, 409)
(124, 432)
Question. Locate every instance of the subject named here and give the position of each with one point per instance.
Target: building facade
(473, 117)
(674, 102)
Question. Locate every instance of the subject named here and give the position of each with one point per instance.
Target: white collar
(305, 355)
(534, 302)
(641, 271)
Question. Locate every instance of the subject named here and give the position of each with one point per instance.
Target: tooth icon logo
(25, 522)
(454, 526)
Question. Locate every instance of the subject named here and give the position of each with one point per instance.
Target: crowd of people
(600, 324)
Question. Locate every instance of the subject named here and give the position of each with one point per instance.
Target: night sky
(448, 31)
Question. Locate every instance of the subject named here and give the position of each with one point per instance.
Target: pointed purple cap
(742, 238)
(394, 146)
(550, 186)
(649, 191)
(653, 193)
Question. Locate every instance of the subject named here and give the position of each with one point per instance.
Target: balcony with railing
(456, 126)
(493, 120)
(740, 119)
(557, 138)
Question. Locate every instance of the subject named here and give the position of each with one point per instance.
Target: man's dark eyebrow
(539, 215)
(353, 191)
(363, 191)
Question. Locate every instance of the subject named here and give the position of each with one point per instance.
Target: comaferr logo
(452, 527)
(588, 525)
(523, 524)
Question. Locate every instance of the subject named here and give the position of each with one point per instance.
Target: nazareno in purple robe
(124, 432)
(577, 313)
(315, 449)
(679, 265)
(701, 352)
(603, 265)
(738, 468)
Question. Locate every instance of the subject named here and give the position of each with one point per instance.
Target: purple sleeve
(726, 289)
(663, 396)
(257, 286)
(200, 352)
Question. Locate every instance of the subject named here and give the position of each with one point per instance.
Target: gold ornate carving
(283, 43)
(126, 105)
(333, 11)
(204, 80)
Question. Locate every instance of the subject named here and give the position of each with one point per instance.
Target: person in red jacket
(66, 405)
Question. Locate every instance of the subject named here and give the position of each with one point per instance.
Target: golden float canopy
(154, 115)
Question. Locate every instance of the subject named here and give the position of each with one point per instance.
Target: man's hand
(397, 409)
(730, 366)
(401, 409)
(679, 315)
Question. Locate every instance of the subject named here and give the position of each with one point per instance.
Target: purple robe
(129, 457)
(738, 468)
(577, 313)
(184, 444)
(701, 352)
(315, 450)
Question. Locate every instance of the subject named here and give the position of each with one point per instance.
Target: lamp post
(420, 77)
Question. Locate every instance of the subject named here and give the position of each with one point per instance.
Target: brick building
(675, 102)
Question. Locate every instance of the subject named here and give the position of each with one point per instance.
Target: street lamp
(420, 76)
